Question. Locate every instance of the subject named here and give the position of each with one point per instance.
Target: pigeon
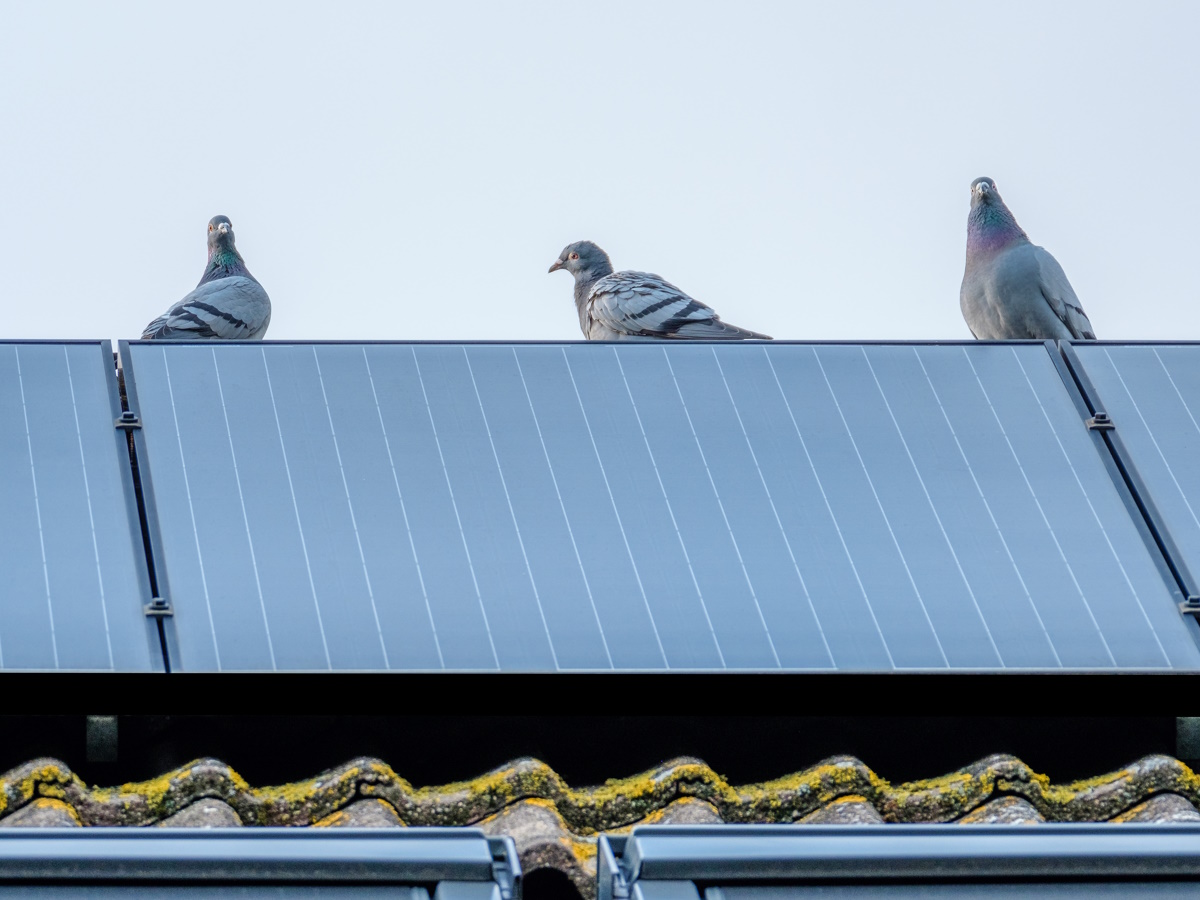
(1013, 289)
(637, 306)
(228, 303)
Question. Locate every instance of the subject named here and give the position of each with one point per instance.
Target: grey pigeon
(637, 306)
(1013, 289)
(228, 303)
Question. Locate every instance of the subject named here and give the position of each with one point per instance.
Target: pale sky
(410, 170)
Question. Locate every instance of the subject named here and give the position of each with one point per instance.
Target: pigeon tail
(714, 330)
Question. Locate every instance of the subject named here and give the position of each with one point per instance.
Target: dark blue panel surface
(641, 506)
(74, 571)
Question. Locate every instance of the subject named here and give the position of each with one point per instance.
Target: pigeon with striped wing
(228, 303)
(637, 306)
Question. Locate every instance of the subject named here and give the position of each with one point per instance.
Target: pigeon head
(983, 190)
(223, 257)
(220, 233)
(990, 224)
(584, 260)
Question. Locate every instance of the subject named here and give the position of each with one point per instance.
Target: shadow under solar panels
(541, 507)
(75, 578)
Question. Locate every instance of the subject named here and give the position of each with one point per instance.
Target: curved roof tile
(555, 825)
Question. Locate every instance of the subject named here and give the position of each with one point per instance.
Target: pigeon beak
(558, 264)
(223, 228)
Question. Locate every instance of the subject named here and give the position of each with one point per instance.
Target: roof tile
(1161, 808)
(362, 814)
(852, 810)
(555, 825)
(42, 813)
(1004, 811)
(207, 813)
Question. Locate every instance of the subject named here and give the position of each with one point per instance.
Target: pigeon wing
(1061, 296)
(234, 308)
(642, 304)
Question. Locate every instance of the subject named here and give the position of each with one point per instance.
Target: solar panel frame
(480, 391)
(103, 485)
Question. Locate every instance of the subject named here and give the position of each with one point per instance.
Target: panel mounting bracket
(1191, 606)
(1099, 422)
(158, 608)
(128, 421)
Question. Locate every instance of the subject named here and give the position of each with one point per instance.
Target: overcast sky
(410, 170)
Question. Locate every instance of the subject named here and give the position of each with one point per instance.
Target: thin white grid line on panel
(296, 509)
(87, 490)
(829, 509)
(616, 512)
(933, 507)
(662, 487)
(562, 506)
(774, 511)
(1137, 407)
(187, 488)
(512, 512)
(37, 506)
(362, 556)
(237, 478)
(454, 504)
(1095, 515)
(879, 502)
(991, 515)
(1038, 503)
(721, 506)
(403, 510)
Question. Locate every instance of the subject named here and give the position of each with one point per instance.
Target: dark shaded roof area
(555, 825)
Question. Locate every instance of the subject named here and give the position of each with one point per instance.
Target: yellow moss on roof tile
(583, 849)
(341, 817)
(614, 804)
(49, 803)
(850, 798)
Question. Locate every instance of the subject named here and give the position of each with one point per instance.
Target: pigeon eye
(574, 256)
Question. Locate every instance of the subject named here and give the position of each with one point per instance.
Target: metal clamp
(1191, 606)
(1100, 422)
(158, 608)
(128, 421)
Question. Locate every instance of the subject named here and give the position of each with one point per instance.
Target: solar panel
(74, 570)
(533, 507)
(1152, 393)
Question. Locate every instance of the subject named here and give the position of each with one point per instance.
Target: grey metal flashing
(342, 856)
(766, 855)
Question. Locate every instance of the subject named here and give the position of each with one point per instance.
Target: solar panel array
(1152, 393)
(74, 573)
(540, 507)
